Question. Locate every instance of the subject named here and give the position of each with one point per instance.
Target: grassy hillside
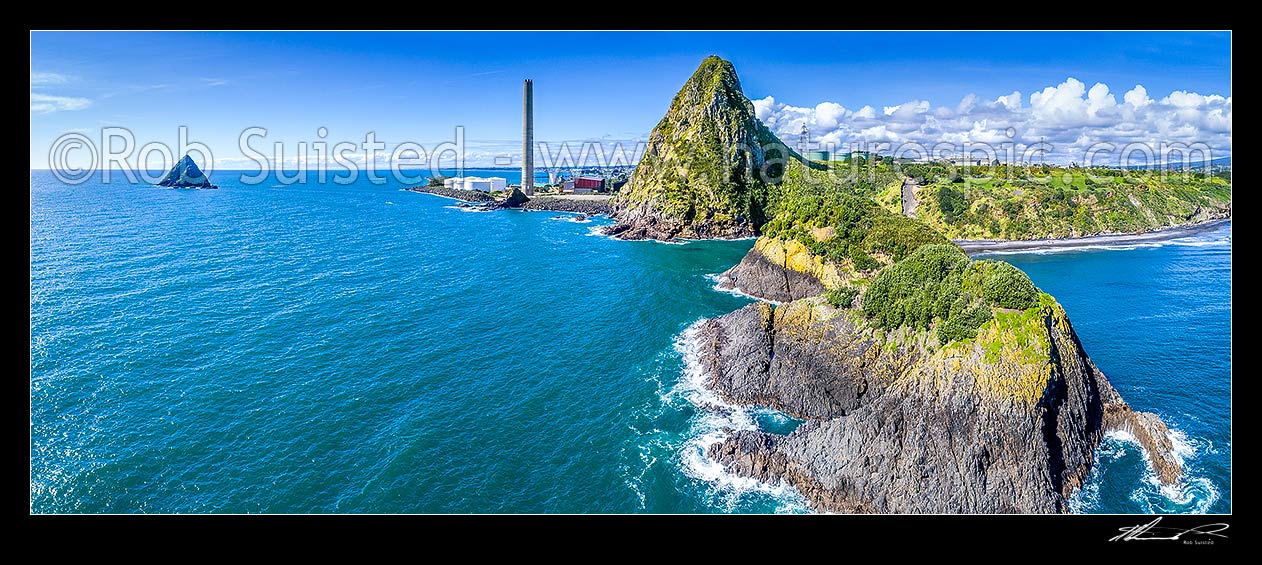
(905, 274)
(1039, 202)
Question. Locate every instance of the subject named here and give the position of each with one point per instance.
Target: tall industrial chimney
(528, 138)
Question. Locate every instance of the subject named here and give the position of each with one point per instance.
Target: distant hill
(1041, 202)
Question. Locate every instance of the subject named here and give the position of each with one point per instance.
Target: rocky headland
(928, 382)
(1006, 422)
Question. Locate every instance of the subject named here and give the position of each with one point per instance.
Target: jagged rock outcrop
(185, 174)
(994, 425)
(515, 199)
(1152, 434)
(780, 271)
(701, 175)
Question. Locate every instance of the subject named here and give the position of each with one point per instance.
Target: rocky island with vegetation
(929, 382)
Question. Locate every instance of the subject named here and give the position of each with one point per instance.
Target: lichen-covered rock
(780, 271)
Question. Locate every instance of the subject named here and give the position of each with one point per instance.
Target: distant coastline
(1163, 234)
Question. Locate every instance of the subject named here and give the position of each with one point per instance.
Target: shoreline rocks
(589, 207)
(757, 276)
(457, 193)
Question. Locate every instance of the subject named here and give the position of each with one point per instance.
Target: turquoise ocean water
(321, 348)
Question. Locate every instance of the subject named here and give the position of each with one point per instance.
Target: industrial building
(588, 185)
(484, 184)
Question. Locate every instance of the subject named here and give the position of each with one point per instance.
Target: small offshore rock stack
(185, 174)
(514, 199)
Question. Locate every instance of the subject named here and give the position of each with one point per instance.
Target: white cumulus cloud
(1070, 118)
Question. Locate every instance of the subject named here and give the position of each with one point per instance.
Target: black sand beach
(993, 245)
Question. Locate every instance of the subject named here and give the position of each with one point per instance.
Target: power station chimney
(528, 138)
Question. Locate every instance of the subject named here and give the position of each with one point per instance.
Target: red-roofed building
(588, 184)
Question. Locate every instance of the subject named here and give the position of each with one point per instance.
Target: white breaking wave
(1215, 240)
(573, 219)
(736, 291)
(1193, 494)
(468, 209)
(714, 417)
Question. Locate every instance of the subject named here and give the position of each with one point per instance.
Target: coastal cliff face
(1006, 422)
(700, 174)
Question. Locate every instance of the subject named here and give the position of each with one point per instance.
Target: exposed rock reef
(701, 175)
(457, 193)
(1005, 423)
(589, 207)
(185, 174)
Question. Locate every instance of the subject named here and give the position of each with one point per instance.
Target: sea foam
(711, 425)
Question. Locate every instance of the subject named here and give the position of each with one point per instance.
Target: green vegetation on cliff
(706, 158)
(1001, 284)
(1002, 202)
(831, 215)
(842, 296)
(939, 284)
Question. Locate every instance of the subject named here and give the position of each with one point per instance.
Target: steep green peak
(714, 81)
(702, 174)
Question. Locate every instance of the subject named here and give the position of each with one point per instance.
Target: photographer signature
(1151, 531)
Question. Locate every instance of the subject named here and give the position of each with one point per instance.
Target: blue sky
(420, 86)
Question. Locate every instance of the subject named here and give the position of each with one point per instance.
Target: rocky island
(185, 174)
(929, 382)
